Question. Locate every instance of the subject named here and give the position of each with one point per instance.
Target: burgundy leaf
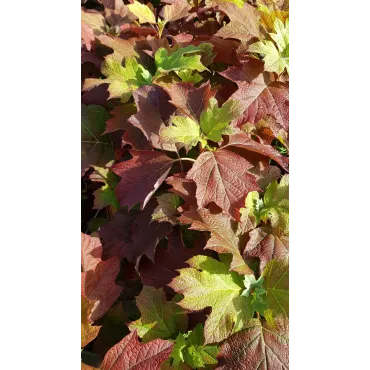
(221, 177)
(129, 353)
(189, 99)
(120, 114)
(260, 93)
(266, 246)
(131, 235)
(184, 188)
(153, 112)
(141, 176)
(243, 141)
(145, 234)
(116, 234)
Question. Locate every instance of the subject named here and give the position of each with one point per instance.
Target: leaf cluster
(185, 184)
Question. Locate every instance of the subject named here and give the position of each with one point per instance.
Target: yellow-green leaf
(183, 131)
(143, 12)
(209, 283)
(159, 318)
(180, 59)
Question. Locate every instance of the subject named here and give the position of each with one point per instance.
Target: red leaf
(243, 141)
(99, 285)
(221, 177)
(121, 114)
(184, 188)
(261, 94)
(266, 246)
(129, 353)
(141, 176)
(189, 99)
(153, 112)
(225, 50)
(256, 347)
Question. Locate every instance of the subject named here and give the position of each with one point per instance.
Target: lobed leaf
(159, 318)
(256, 347)
(142, 11)
(141, 176)
(209, 283)
(129, 353)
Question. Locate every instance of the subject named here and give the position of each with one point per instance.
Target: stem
(182, 168)
(187, 159)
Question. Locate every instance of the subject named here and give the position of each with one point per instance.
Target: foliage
(185, 185)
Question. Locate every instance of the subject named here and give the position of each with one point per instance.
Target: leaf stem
(188, 159)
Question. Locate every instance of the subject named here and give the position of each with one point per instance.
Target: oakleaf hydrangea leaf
(159, 318)
(190, 348)
(244, 23)
(182, 58)
(276, 283)
(268, 16)
(265, 245)
(129, 353)
(187, 75)
(96, 150)
(166, 210)
(257, 347)
(209, 283)
(88, 331)
(214, 120)
(276, 55)
(276, 204)
(122, 80)
(94, 21)
(184, 131)
(142, 11)
(255, 293)
(175, 11)
(106, 195)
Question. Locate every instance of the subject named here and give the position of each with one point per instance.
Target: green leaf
(190, 348)
(276, 55)
(142, 11)
(255, 293)
(209, 283)
(159, 318)
(122, 80)
(96, 150)
(276, 204)
(177, 350)
(187, 75)
(183, 131)
(180, 59)
(214, 120)
(276, 283)
(106, 195)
